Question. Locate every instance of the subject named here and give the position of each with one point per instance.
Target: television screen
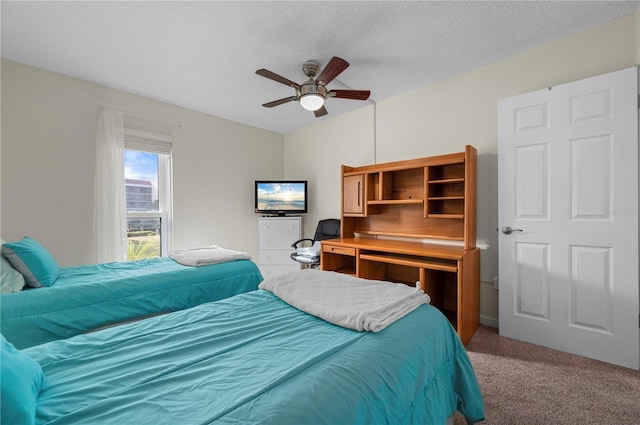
(281, 197)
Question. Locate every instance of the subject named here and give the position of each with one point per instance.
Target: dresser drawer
(279, 227)
(339, 250)
(276, 256)
(277, 242)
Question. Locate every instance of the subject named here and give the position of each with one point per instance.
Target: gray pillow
(11, 280)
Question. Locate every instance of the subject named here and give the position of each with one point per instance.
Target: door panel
(568, 178)
(591, 303)
(591, 193)
(532, 181)
(532, 280)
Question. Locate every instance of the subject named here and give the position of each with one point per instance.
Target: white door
(568, 187)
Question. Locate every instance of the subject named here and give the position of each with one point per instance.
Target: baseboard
(489, 321)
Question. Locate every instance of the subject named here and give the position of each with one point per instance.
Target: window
(147, 174)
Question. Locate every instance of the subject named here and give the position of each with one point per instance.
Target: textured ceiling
(203, 55)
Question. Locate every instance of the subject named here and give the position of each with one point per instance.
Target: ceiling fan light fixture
(312, 93)
(311, 101)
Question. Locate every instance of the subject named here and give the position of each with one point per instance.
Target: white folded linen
(347, 301)
(205, 255)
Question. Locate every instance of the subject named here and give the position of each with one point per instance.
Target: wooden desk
(449, 274)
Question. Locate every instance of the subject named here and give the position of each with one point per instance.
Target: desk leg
(469, 295)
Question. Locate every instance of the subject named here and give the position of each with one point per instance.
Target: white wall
(47, 160)
(445, 116)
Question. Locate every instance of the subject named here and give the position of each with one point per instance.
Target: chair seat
(305, 259)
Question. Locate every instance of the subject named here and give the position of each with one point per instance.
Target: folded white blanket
(211, 254)
(347, 301)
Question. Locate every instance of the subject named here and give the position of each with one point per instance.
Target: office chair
(328, 228)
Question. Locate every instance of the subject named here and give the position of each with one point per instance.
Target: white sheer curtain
(110, 214)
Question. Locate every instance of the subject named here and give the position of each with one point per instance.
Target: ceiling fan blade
(275, 77)
(335, 66)
(320, 112)
(279, 102)
(350, 94)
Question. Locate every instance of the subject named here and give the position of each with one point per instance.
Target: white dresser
(275, 236)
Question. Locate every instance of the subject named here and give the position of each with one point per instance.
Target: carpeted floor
(524, 384)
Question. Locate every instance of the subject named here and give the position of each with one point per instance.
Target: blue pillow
(21, 379)
(35, 263)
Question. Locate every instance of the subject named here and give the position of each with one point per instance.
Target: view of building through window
(143, 219)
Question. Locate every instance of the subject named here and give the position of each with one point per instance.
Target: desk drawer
(339, 250)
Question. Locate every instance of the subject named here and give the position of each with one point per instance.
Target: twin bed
(248, 358)
(86, 298)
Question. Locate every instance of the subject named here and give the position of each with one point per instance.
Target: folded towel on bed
(211, 254)
(347, 301)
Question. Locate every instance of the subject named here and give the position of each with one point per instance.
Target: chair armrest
(295, 244)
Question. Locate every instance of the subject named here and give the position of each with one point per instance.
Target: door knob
(508, 230)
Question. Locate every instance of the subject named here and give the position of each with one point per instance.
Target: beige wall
(637, 16)
(444, 116)
(316, 153)
(48, 133)
(47, 154)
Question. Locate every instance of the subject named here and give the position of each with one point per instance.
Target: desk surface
(434, 250)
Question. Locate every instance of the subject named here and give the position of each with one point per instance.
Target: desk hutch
(414, 222)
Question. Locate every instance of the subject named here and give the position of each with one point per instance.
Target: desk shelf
(396, 202)
(413, 261)
(431, 197)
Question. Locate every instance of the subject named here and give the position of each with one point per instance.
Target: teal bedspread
(253, 359)
(88, 297)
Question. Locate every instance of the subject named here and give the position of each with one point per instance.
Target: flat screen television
(280, 197)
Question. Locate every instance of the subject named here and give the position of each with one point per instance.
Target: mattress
(253, 359)
(88, 297)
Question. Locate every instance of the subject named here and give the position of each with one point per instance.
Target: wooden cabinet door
(353, 195)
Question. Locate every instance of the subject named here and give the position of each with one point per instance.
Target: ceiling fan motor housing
(310, 68)
(310, 87)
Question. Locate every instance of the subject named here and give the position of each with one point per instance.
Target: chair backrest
(329, 228)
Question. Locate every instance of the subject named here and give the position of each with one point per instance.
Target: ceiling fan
(312, 93)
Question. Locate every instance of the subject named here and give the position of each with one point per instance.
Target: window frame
(160, 144)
